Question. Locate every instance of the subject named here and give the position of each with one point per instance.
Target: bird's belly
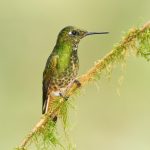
(65, 78)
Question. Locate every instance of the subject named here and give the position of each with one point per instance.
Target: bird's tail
(46, 106)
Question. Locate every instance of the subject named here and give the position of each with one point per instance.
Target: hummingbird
(63, 64)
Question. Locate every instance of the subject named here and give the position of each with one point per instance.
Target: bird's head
(73, 34)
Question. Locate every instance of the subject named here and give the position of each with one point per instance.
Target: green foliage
(143, 44)
(47, 138)
(136, 42)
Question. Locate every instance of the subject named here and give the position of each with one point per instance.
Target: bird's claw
(77, 82)
(64, 97)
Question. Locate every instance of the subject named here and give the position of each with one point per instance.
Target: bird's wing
(48, 73)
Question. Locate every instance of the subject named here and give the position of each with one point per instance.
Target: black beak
(91, 33)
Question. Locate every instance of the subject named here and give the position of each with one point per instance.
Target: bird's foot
(61, 92)
(63, 96)
(67, 97)
(77, 82)
(55, 119)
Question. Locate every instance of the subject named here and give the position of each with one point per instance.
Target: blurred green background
(104, 120)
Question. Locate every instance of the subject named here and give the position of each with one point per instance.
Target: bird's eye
(74, 33)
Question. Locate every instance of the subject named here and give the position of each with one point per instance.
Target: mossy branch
(137, 40)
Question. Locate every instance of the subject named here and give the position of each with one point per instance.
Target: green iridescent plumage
(62, 65)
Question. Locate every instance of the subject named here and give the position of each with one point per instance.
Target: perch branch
(115, 54)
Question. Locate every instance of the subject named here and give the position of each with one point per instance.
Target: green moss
(48, 137)
(143, 44)
(136, 41)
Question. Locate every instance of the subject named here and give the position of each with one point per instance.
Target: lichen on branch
(45, 134)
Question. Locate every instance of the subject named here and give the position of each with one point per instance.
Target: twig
(110, 58)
